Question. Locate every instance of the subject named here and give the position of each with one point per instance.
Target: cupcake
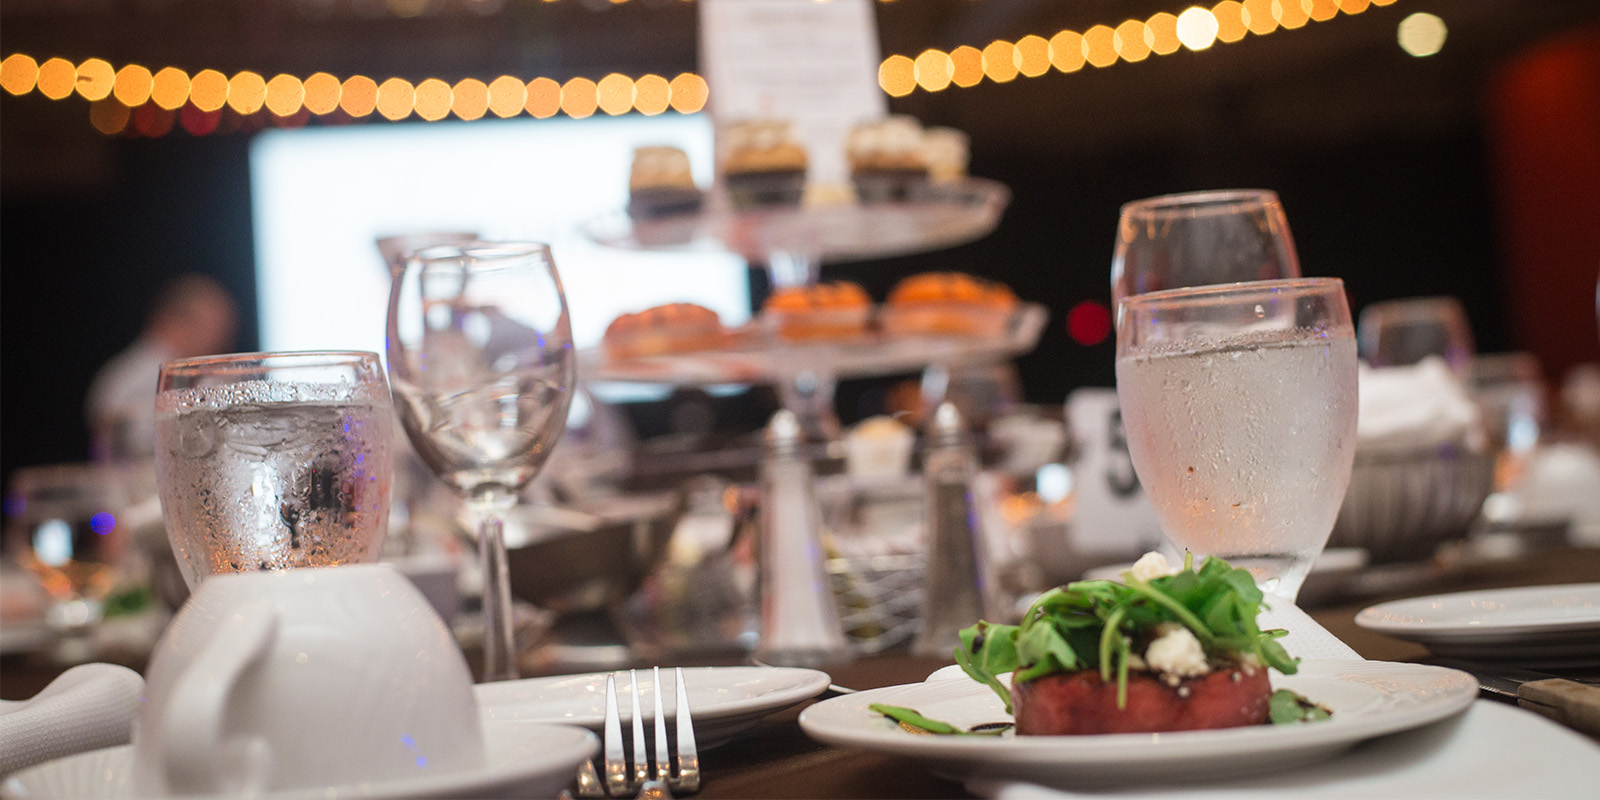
(886, 159)
(764, 165)
(661, 184)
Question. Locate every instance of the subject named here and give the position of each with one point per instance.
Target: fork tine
(641, 762)
(688, 780)
(616, 760)
(663, 758)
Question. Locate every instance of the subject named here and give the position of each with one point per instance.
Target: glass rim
(1237, 289)
(327, 358)
(1187, 202)
(483, 249)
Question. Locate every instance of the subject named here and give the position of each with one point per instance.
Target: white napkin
(86, 708)
(1307, 638)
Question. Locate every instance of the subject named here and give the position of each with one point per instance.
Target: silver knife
(1572, 703)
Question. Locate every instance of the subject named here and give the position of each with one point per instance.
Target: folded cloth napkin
(86, 708)
(1307, 638)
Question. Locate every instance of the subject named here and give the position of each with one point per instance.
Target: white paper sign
(1112, 515)
(813, 64)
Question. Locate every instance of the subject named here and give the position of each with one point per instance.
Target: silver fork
(621, 778)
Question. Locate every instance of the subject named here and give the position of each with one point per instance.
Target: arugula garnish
(1287, 707)
(913, 721)
(1099, 623)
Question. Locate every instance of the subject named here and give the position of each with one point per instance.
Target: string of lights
(116, 95)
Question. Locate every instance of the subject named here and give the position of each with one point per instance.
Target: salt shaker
(799, 621)
(954, 583)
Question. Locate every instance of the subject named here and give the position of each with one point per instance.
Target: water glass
(270, 461)
(1239, 404)
(1396, 333)
(1201, 238)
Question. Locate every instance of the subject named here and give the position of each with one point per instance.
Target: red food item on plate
(1069, 703)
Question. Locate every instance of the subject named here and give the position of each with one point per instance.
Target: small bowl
(1404, 502)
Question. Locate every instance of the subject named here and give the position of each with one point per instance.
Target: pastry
(838, 310)
(670, 328)
(951, 303)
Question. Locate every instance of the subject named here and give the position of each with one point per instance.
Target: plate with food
(1533, 625)
(1164, 677)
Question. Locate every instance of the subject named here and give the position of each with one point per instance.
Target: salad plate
(1368, 699)
(725, 700)
(522, 760)
(1533, 625)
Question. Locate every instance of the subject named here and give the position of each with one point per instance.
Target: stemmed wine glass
(1201, 238)
(481, 360)
(1239, 403)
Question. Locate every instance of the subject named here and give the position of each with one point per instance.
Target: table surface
(775, 759)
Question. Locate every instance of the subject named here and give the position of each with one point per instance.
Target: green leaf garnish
(1287, 707)
(1104, 624)
(913, 721)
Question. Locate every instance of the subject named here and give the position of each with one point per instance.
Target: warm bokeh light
(108, 116)
(506, 96)
(247, 92)
(933, 70)
(1197, 28)
(1000, 61)
(1089, 323)
(358, 96)
(1353, 6)
(1161, 34)
(689, 93)
(170, 88)
(1324, 10)
(57, 78)
(134, 83)
(285, 95)
(1128, 39)
(1066, 51)
(1230, 21)
(544, 98)
(966, 66)
(432, 99)
(19, 73)
(1100, 46)
(1293, 14)
(208, 90)
(197, 122)
(396, 99)
(469, 99)
(322, 93)
(614, 94)
(1033, 56)
(1259, 16)
(96, 78)
(579, 98)
(652, 95)
(152, 121)
(897, 76)
(1421, 34)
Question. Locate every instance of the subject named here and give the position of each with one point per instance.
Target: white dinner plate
(725, 700)
(1534, 625)
(524, 760)
(1368, 699)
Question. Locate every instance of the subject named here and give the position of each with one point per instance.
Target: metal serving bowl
(1404, 502)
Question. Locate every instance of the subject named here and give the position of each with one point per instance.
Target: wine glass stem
(499, 641)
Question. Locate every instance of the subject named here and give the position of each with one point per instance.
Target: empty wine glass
(1201, 238)
(1395, 333)
(273, 460)
(481, 359)
(1239, 403)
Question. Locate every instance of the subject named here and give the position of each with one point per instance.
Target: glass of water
(480, 354)
(1239, 404)
(268, 461)
(1201, 238)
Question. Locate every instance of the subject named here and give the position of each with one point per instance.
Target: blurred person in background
(192, 316)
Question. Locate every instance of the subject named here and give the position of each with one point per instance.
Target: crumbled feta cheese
(1177, 653)
(1150, 566)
